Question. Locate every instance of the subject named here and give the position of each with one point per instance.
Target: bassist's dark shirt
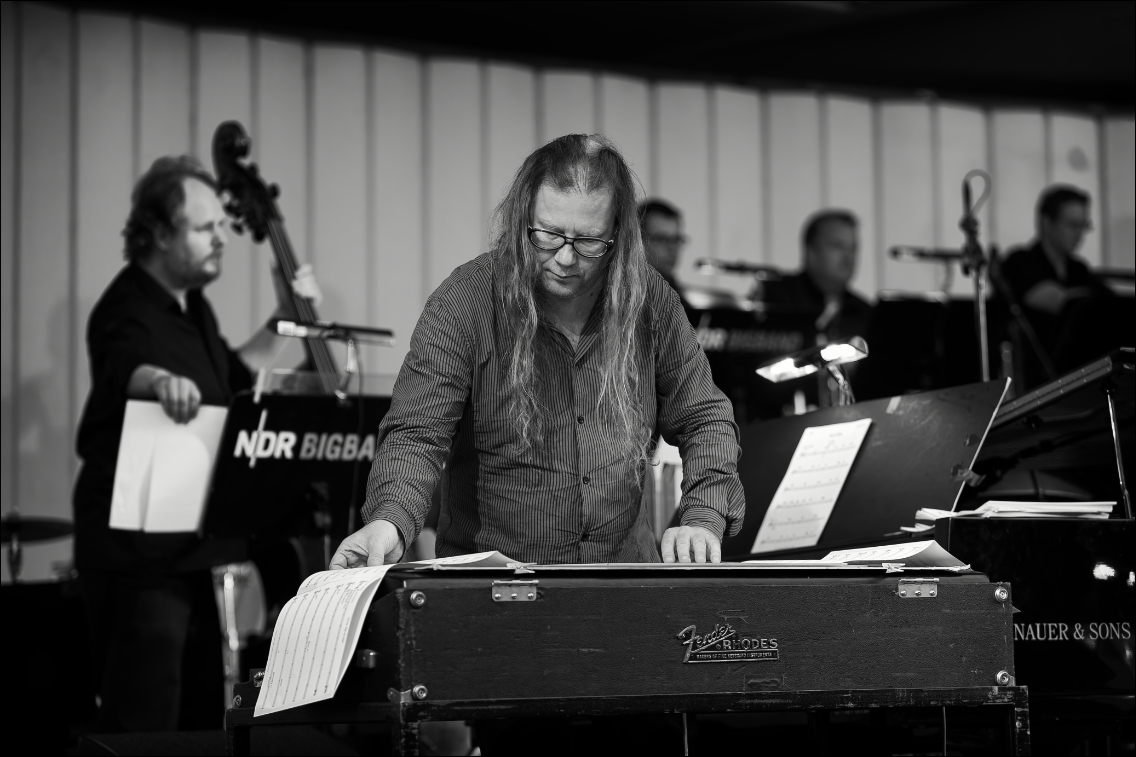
(136, 322)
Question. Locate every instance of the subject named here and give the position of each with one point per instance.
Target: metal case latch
(917, 588)
(514, 591)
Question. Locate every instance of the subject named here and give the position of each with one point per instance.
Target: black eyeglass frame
(608, 243)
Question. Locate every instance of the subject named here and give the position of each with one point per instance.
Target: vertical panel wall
(624, 115)
(165, 92)
(280, 149)
(567, 104)
(9, 161)
(396, 210)
(906, 192)
(455, 226)
(849, 182)
(339, 149)
(1020, 172)
(222, 91)
(104, 171)
(683, 167)
(44, 272)
(390, 163)
(1119, 193)
(736, 221)
(792, 187)
(510, 128)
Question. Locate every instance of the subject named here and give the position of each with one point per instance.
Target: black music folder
(292, 464)
(918, 452)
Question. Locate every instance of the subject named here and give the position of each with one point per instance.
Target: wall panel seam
(73, 237)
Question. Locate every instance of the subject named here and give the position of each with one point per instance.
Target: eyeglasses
(551, 241)
(677, 240)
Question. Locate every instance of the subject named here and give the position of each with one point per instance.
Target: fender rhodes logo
(725, 644)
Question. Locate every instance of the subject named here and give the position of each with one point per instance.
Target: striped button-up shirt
(569, 499)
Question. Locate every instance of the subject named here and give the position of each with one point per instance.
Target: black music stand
(917, 453)
(272, 494)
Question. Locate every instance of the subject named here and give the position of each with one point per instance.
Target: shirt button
(587, 480)
(580, 419)
(584, 536)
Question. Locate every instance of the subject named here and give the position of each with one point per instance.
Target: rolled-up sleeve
(695, 416)
(414, 438)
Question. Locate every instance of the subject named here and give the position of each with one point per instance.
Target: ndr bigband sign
(267, 444)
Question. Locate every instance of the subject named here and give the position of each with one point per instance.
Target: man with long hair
(542, 372)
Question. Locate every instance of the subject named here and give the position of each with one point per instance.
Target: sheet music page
(315, 637)
(916, 554)
(804, 500)
(162, 474)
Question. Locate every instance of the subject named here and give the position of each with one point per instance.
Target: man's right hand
(376, 543)
(179, 396)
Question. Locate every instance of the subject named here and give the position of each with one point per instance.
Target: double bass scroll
(252, 204)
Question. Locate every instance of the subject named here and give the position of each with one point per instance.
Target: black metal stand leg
(238, 740)
(1021, 730)
(405, 735)
(1125, 499)
(818, 726)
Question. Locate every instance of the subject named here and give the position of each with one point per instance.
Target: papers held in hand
(1089, 510)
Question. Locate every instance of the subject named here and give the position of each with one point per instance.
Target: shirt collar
(158, 295)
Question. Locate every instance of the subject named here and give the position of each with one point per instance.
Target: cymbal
(34, 529)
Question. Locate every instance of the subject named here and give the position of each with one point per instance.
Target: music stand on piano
(917, 453)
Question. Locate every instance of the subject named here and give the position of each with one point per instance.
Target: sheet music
(925, 554)
(804, 500)
(315, 637)
(162, 474)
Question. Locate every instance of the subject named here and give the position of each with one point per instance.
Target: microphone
(710, 265)
(335, 331)
(907, 252)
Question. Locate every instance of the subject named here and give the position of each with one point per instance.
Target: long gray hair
(585, 164)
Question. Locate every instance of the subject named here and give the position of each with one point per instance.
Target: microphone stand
(973, 261)
(351, 336)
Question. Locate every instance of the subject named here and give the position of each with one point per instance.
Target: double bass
(252, 205)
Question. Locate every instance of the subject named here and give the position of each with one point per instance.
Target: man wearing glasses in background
(1060, 295)
(661, 226)
(542, 371)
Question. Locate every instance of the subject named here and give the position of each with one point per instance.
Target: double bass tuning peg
(273, 191)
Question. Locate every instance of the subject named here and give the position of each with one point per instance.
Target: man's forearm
(142, 381)
(262, 347)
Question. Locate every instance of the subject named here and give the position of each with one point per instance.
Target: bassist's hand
(303, 285)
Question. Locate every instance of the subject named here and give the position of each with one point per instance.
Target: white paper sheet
(804, 500)
(163, 469)
(315, 637)
(916, 554)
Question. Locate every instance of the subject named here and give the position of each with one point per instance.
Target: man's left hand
(691, 544)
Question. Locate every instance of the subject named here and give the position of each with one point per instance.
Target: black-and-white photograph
(485, 378)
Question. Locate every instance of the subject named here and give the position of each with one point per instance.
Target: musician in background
(1054, 287)
(830, 244)
(660, 225)
(153, 336)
